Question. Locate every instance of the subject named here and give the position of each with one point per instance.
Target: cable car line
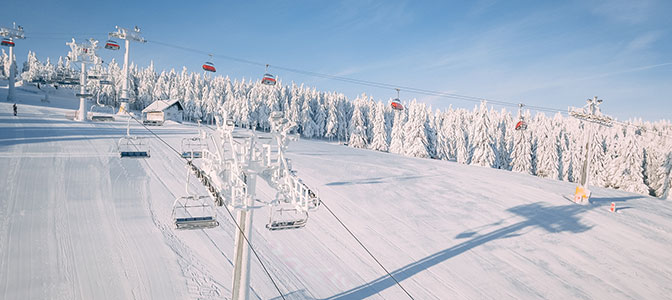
(381, 85)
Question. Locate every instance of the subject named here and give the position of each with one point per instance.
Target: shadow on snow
(553, 219)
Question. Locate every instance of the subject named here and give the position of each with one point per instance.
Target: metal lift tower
(9, 35)
(84, 53)
(230, 174)
(127, 36)
(591, 114)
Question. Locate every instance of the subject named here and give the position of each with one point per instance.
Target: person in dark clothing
(14, 109)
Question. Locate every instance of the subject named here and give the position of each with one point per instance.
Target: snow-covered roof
(161, 105)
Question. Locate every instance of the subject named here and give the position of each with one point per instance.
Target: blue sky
(544, 53)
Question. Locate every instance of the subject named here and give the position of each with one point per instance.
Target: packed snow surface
(78, 222)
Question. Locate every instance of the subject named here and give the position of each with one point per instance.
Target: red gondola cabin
(521, 125)
(7, 42)
(396, 104)
(111, 45)
(268, 79)
(210, 67)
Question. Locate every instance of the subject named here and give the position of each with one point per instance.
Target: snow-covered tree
(307, 124)
(628, 173)
(379, 141)
(665, 180)
(521, 157)
(397, 136)
(31, 68)
(415, 132)
(357, 129)
(482, 150)
(331, 127)
(547, 150)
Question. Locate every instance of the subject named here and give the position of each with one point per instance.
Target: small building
(162, 110)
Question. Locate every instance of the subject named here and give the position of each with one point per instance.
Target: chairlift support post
(127, 36)
(84, 53)
(230, 173)
(590, 113)
(10, 34)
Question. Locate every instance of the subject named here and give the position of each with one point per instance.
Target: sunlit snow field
(78, 222)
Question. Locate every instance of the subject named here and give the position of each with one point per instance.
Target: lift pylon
(9, 35)
(591, 114)
(128, 36)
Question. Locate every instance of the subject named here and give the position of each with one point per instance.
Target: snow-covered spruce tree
(48, 72)
(342, 108)
(655, 154)
(307, 123)
(379, 141)
(357, 129)
(566, 148)
(31, 68)
(665, 180)
(482, 151)
(503, 135)
(332, 120)
(521, 157)
(415, 133)
(370, 115)
(547, 150)
(320, 117)
(397, 136)
(629, 175)
(442, 141)
(612, 144)
(430, 132)
(462, 138)
(598, 166)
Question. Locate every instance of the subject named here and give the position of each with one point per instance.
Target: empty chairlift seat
(284, 218)
(133, 147)
(194, 212)
(193, 147)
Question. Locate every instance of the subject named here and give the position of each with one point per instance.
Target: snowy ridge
(98, 226)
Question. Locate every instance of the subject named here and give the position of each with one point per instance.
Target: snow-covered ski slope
(78, 222)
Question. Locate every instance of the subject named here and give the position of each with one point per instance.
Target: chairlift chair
(132, 146)
(194, 212)
(268, 78)
(396, 103)
(286, 218)
(7, 43)
(193, 147)
(100, 112)
(112, 45)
